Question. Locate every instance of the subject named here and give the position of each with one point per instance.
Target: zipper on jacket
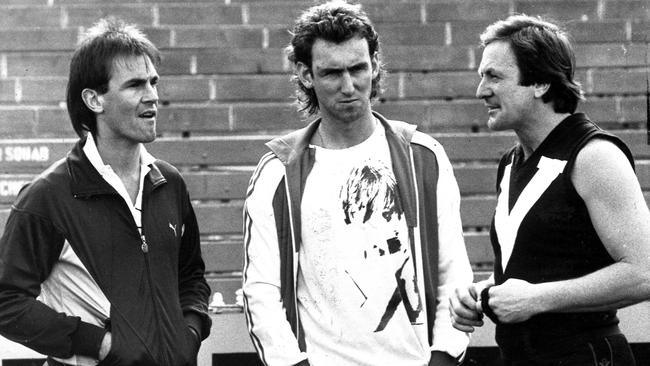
(144, 246)
(145, 250)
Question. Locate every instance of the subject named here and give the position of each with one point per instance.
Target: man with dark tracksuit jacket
(353, 237)
(100, 260)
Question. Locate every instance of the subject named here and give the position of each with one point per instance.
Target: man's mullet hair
(337, 22)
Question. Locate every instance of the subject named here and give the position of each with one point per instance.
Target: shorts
(610, 350)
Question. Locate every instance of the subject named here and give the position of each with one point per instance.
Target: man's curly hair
(336, 22)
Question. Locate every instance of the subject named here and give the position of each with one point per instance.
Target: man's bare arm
(605, 180)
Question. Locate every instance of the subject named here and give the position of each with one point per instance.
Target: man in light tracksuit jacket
(353, 238)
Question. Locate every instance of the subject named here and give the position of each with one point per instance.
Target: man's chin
(148, 137)
(350, 114)
(494, 125)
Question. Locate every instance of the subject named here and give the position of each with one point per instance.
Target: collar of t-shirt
(109, 175)
(379, 131)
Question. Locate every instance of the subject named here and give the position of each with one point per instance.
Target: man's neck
(123, 158)
(535, 132)
(333, 134)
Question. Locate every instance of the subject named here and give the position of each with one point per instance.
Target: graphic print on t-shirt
(371, 208)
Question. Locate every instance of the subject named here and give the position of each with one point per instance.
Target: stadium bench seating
(225, 90)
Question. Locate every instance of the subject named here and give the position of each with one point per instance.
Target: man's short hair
(92, 63)
(544, 55)
(337, 22)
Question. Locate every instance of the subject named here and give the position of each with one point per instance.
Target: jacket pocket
(191, 349)
(126, 349)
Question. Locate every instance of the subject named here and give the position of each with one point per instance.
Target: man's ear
(304, 74)
(374, 61)
(93, 100)
(541, 89)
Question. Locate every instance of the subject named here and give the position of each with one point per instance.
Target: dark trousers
(609, 350)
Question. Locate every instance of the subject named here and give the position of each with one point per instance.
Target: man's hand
(105, 347)
(514, 301)
(465, 308)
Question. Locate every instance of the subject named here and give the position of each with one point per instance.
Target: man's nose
(151, 94)
(482, 90)
(347, 83)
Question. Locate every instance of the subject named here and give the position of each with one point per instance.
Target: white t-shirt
(358, 297)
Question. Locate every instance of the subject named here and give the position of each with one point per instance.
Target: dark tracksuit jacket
(155, 282)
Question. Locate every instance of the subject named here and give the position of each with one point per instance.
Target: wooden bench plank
(34, 155)
(240, 117)
(476, 179)
(479, 248)
(228, 184)
(10, 185)
(31, 154)
(477, 211)
(220, 185)
(232, 184)
(223, 257)
(226, 286)
(227, 256)
(220, 218)
(226, 217)
(212, 185)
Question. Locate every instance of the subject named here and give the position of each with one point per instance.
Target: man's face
(509, 104)
(341, 76)
(130, 104)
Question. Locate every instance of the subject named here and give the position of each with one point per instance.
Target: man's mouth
(150, 113)
(492, 107)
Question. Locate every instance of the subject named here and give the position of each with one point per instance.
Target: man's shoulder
(426, 140)
(286, 146)
(162, 171)
(411, 134)
(49, 186)
(429, 145)
(598, 152)
(55, 177)
(270, 160)
(270, 169)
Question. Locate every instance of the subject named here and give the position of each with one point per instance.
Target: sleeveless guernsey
(542, 232)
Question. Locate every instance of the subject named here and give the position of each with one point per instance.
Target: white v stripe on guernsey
(507, 223)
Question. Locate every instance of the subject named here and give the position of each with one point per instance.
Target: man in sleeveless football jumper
(571, 230)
